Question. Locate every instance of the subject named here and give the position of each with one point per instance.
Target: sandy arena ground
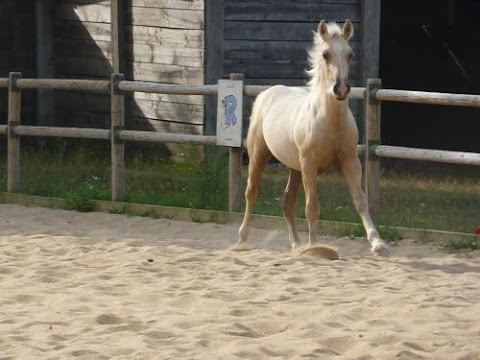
(100, 286)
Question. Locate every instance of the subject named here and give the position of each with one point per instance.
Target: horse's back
(275, 111)
(275, 97)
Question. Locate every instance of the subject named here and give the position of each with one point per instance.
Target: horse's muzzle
(341, 90)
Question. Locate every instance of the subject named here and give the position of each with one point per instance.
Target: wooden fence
(372, 150)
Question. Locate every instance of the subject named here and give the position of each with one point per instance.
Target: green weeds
(118, 210)
(420, 196)
(462, 245)
(351, 230)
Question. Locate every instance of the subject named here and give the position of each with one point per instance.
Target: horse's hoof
(379, 248)
(241, 247)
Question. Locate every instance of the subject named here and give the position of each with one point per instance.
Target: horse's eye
(350, 56)
(326, 55)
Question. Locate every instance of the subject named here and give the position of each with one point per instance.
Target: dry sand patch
(100, 286)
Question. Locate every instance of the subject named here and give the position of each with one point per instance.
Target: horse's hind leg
(259, 155)
(352, 170)
(290, 205)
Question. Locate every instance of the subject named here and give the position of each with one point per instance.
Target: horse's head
(331, 56)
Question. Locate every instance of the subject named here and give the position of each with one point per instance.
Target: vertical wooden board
(45, 64)
(370, 48)
(17, 50)
(370, 39)
(229, 113)
(214, 28)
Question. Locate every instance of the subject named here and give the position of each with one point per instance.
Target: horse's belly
(281, 108)
(281, 144)
(280, 140)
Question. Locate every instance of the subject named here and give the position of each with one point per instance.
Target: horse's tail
(258, 109)
(255, 128)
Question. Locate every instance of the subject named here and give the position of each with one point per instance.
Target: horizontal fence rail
(67, 132)
(64, 84)
(372, 150)
(152, 87)
(423, 97)
(442, 156)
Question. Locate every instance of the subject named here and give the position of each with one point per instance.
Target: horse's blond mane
(315, 57)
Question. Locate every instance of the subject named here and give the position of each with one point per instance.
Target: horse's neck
(324, 103)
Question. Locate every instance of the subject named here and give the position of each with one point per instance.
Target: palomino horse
(310, 131)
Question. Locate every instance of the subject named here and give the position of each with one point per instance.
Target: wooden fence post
(14, 109)
(235, 170)
(118, 148)
(372, 139)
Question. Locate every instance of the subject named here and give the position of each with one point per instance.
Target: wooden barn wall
(82, 50)
(164, 42)
(267, 40)
(17, 51)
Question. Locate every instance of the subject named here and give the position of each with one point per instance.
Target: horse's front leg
(290, 205)
(309, 177)
(352, 170)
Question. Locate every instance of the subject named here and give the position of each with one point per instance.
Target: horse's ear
(347, 30)
(323, 29)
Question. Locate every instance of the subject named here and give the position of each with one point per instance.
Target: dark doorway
(431, 45)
